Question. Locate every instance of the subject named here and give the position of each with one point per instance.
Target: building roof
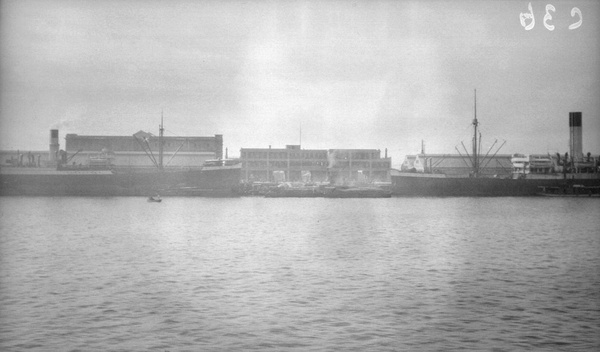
(138, 134)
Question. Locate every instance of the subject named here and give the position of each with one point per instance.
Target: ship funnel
(218, 146)
(53, 153)
(575, 137)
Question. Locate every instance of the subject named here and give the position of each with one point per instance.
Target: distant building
(453, 164)
(128, 150)
(293, 163)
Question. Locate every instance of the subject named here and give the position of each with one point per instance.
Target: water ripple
(255, 274)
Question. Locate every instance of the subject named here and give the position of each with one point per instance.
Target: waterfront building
(295, 164)
(139, 150)
(454, 164)
(501, 165)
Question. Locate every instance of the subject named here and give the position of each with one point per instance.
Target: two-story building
(293, 163)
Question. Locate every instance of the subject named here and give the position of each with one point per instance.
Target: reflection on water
(190, 274)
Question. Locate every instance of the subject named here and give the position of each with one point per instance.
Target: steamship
(100, 177)
(529, 173)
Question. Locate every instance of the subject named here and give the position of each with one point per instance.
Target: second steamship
(529, 173)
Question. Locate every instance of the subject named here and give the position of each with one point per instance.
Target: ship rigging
(476, 162)
(144, 142)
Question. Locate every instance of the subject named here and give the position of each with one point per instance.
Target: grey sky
(353, 74)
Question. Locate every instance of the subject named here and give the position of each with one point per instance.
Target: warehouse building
(140, 149)
(293, 163)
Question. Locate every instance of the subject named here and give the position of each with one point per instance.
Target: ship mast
(475, 151)
(160, 142)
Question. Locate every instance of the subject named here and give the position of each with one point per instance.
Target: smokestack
(219, 146)
(575, 139)
(53, 153)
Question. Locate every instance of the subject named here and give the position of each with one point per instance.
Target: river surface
(399, 274)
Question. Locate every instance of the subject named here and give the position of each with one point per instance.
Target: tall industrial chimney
(218, 146)
(53, 146)
(575, 139)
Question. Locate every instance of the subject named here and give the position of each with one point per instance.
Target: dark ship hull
(213, 180)
(433, 185)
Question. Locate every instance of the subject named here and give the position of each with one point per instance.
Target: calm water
(400, 274)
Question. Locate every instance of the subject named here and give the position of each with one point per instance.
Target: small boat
(155, 199)
(200, 192)
(356, 192)
(294, 191)
(570, 191)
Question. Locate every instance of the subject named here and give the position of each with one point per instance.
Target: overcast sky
(349, 74)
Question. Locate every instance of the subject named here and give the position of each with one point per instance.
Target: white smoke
(73, 119)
